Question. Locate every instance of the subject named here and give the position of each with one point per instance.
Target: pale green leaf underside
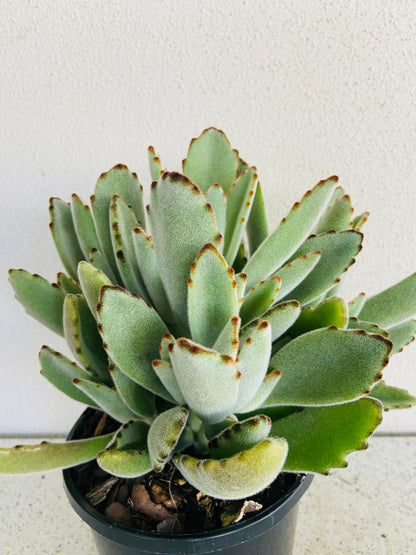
(164, 434)
(130, 463)
(295, 272)
(240, 437)
(237, 477)
(45, 456)
(290, 234)
(392, 397)
(328, 366)
(84, 226)
(320, 438)
(91, 280)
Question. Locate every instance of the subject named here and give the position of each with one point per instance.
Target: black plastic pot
(269, 532)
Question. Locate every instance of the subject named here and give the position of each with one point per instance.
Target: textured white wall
(303, 89)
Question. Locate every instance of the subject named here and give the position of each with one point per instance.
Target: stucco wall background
(303, 89)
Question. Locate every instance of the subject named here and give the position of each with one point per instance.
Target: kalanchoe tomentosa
(214, 343)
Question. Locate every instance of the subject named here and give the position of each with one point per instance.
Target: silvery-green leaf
(253, 361)
(132, 435)
(108, 399)
(402, 334)
(216, 197)
(290, 234)
(26, 459)
(182, 222)
(338, 193)
(41, 299)
(393, 305)
(259, 299)
(359, 221)
(211, 160)
(295, 272)
(84, 226)
(99, 261)
(356, 324)
(138, 399)
(146, 259)
(257, 228)
(167, 340)
(392, 397)
(267, 386)
(239, 202)
(328, 366)
(338, 250)
(60, 372)
(241, 280)
(330, 312)
(164, 371)
(122, 223)
(132, 331)
(91, 280)
(356, 305)
(130, 463)
(241, 258)
(227, 342)
(155, 165)
(240, 437)
(67, 284)
(82, 336)
(337, 216)
(320, 438)
(164, 434)
(239, 476)
(208, 381)
(117, 181)
(212, 296)
(64, 235)
(281, 317)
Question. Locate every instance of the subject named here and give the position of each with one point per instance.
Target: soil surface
(162, 501)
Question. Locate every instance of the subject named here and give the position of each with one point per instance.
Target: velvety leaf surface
(132, 435)
(41, 299)
(356, 324)
(164, 434)
(240, 437)
(290, 234)
(263, 392)
(64, 235)
(330, 312)
(259, 299)
(257, 228)
(360, 220)
(337, 216)
(338, 250)
(91, 280)
(67, 284)
(216, 197)
(393, 305)
(356, 305)
(132, 331)
(392, 397)
(138, 399)
(241, 280)
(328, 366)
(320, 438)
(98, 260)
(208, 381)
(211, 160)
(167, 340)
(295, 272)
(129, 463)
(402, 334)
(237, 477)
(84, 226)
(212, 296)
(155, 165)
(281, 317)
(182, 223)
(227, 342)
(24, 459)
(164, 371)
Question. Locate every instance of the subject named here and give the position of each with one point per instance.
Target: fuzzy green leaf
(281, 317)
(182, 222)
(41, 299)
(356, 324)
(138, 399)
(259, 299)
(164, 434)
(330, 312)
(132, 435)
(392, 397)
(240, 437)
(241, 280)
(26, 459)
(320, 438)
(164, 371)
(328, 366)
(91, 280)
(263, 392)
(227, 342)
(257, 228)
(130, 463)
(356, 305)
(360, 220)
(84, 226)
(393, 305)
(211, 160)
(67, 284)
(208, 381)
(64, 235)
(212, 297)
(239, 476)
(99, 261)
(402, 334)
(164, 346)
(290, 234)
(337, 216)
(295, 272)
(155, 165)
(216, 197)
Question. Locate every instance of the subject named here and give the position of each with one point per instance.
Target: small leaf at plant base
(295, 272)
(132, 435)
(164, 434)
(356, 305)
(257, 228)
(227, 342)
(393, 305)
(25, 459)
(129, 463)
(239, 476)
(60, 372)
(216, 197)
(164, 371)
(155, 165)
(240, 437)
(259, 299)
(211, 160)
(392, 397)
(208, 380)
(402, 334)
(132, 331)
(138, 399)
(41, 299)
(337, 216)
(212, 297)
(67, 284)
(64, 235)
(91, 280)
(328, 366)
(281, 317)
(84, 226)
(182, 222)
(320, 438)
(290, 234)
(330, 312)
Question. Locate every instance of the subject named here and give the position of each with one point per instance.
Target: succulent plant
(213, 343)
